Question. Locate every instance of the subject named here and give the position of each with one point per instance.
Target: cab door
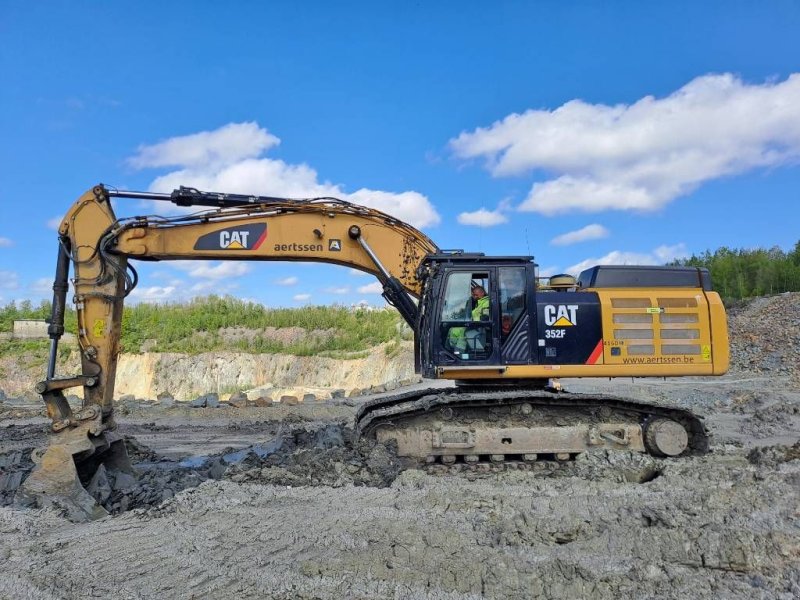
(466, 324)
(516, 307)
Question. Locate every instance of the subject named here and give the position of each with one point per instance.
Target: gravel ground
(282, 502)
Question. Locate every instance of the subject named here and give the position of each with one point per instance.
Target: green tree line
(741, 273)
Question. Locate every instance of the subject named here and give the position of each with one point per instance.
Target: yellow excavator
(488, 322)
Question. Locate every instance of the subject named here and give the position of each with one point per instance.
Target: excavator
(504, 334)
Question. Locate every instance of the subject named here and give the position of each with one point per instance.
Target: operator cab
(477, 311)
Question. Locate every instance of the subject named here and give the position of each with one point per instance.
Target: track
(495, 425)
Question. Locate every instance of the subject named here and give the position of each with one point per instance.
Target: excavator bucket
(74, 473)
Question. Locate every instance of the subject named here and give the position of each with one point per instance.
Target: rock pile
(765, 335)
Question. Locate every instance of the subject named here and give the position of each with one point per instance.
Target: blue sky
(578, 132)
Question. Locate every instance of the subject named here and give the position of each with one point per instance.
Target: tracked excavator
(488, 322)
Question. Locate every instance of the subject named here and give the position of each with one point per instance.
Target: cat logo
(563, 315)
(234, 240)
(335, 245)
(244, 237)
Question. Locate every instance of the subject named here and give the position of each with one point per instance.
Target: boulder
(198, 402)
(165, 399)
(127, 398)
(337, 394)
(99, 487)
(263, 401)
(309, 398)
(354, 392)
(238, 400)
(212, 400)
(290, 400)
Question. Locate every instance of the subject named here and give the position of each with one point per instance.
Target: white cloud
(411, 207)
(548, 271)
(180, 291)
(338, 290)
(371, 288)
(301, 297)
(230, 159)
(590, 232)
(209, 286)
(5, 243)
(154, 293)
(42, 286)
(643, 155)
(482, 218)
(208, 270)
(9, 280)
(665, 254)
(357, 273)
(287, 281)
(54, 223)
(227, 145)
(486, 218)
(659, 256)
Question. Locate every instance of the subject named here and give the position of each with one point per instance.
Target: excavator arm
(98, 246)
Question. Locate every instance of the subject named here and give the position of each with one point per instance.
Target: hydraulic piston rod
(60, 286)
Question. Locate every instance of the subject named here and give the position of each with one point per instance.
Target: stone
(99, 487)
(165, 399)
(238, 400)
(123, 481)
(263, 401)
(309, 398)
(212, 400)
(354, 393)
(337, 394)
(127, 398)
(217, 469)
(198, 402)
(377, 389)
(290, 400)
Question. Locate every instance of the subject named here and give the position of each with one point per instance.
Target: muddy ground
(281, 502)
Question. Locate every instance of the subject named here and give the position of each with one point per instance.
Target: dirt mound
(299, 455)
(765, 335)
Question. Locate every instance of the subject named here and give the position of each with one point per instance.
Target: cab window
(466, 322)
(511, 284)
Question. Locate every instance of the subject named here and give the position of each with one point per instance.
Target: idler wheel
(665, 437)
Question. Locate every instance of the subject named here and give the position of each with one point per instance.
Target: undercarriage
(478, 425)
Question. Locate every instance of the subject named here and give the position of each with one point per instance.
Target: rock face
(144, 375)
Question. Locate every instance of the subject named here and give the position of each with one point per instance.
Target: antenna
(527, 243)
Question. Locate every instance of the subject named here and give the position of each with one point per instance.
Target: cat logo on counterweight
(561, 315)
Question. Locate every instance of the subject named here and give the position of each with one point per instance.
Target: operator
(481, 304)
(459, 338)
